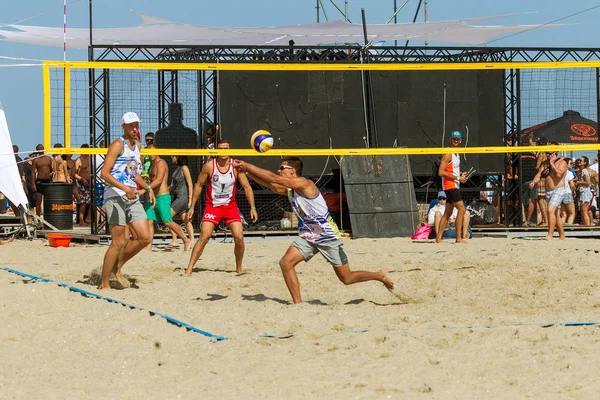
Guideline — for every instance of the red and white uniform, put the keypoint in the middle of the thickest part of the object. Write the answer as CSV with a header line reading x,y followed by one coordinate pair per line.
x,y
220,196
453,168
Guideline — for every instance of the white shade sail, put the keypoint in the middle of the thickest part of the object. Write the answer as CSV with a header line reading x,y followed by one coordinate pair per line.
x,y
154,31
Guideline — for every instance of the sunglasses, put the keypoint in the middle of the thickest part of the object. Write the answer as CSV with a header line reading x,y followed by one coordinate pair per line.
x,y
282,167
150,140
441,198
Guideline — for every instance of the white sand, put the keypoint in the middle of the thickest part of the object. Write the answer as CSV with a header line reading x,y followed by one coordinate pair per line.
x,y
475,333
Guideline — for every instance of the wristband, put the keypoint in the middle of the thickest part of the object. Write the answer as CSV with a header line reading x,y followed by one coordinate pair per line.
x,y
148,188
253,208
191,207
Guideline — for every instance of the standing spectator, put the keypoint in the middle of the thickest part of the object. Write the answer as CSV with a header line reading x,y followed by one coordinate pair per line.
x,y
41,175
29,182
542,219
583,185
528,171
21,169
553,171
568,206
60,172
451,179
83,167
181,189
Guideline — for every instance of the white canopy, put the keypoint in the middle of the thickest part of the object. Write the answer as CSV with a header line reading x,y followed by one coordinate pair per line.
x,y
10,181
154,31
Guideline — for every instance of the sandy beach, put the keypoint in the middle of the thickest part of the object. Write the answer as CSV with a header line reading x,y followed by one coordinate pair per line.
x,y
479,323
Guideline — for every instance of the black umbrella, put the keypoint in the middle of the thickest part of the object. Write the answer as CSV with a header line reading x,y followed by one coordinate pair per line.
x,y
570,128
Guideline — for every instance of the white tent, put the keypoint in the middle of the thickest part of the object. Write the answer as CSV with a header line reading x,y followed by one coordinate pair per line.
x,y
10,181
155,31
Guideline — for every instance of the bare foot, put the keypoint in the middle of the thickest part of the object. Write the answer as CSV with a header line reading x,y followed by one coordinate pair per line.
x,y
104,287
386,280
238,270
463,241
438,240
547,238
187,245
173,244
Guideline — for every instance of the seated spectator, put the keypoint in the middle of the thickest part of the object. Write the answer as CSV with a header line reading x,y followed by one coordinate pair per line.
x,y
436,211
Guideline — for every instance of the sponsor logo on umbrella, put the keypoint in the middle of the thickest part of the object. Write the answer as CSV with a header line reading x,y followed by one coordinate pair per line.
x,y
583,130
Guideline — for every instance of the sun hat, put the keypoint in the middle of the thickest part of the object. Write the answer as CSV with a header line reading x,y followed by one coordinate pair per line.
x,y
441,193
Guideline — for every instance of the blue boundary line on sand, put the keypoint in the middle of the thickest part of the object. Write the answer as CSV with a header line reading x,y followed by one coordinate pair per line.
x,y
97,296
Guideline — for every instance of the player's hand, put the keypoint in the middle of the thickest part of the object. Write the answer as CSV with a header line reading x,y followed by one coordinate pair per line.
x,y
462,179
130,193
241,166
152,198
253,215
190,214
531,184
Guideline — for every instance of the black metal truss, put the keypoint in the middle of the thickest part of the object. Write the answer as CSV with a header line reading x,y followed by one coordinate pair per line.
x,y
99,102
168,86
336,54
208,82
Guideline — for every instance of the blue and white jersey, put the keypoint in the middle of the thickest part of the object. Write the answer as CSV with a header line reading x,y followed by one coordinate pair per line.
x,y
127,166
314,222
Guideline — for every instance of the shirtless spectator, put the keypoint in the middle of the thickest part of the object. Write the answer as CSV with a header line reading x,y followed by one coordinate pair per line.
x,y
41,175
83,169
552,171
541,188
161,210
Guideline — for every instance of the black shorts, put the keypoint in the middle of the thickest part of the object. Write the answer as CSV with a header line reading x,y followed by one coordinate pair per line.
x,y
453,196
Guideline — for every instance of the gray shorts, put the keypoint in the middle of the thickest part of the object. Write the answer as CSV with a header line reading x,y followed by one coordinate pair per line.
x,y
122,211
554,197
333,250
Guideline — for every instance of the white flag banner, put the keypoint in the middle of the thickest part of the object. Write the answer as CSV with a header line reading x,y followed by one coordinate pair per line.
x,y
10,181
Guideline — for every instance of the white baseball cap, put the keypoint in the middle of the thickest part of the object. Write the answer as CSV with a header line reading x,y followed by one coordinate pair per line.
x,y
130,117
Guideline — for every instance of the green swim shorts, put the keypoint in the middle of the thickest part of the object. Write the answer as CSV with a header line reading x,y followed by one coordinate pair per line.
x,y
162,209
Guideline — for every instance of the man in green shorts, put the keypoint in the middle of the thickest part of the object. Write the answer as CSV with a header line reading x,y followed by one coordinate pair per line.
x,y
161,212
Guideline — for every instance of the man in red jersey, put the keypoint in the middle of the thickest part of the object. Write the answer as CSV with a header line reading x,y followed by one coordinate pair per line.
x,y
221,205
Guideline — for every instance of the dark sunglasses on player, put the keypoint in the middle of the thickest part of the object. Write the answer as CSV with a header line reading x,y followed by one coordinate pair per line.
x,y
282,167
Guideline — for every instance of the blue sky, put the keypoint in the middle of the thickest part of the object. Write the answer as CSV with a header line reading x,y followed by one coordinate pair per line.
x,y
21,87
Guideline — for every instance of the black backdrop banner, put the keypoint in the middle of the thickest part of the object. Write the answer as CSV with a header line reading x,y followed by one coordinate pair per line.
x,y
307,109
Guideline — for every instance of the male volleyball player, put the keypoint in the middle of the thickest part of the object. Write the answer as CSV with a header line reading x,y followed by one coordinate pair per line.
x,y
221,205
451,176
318,233
124,212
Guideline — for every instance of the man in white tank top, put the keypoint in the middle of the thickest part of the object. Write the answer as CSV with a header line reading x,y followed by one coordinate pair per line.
x,y
318,232
221,205
124,212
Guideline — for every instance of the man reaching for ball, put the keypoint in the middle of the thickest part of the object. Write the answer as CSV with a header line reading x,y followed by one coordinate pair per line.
x,y
318,233
221,205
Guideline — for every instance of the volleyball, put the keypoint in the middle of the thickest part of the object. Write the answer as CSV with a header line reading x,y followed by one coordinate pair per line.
x,y
261,141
